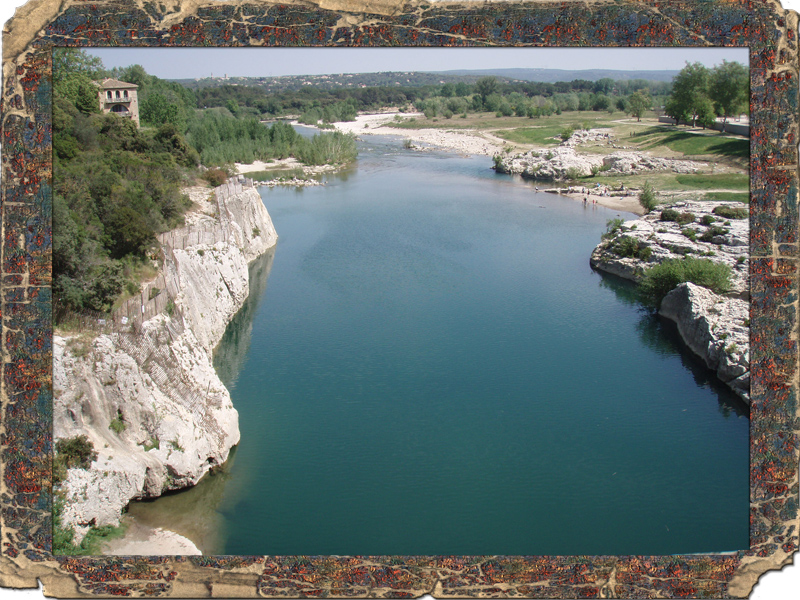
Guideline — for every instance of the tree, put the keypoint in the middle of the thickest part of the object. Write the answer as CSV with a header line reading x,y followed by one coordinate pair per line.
x,y
689,93
730,89
647,197
485,87
638,103
69,61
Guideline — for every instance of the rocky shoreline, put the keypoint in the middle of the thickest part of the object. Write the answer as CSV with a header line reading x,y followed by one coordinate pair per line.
x,y
715,327
147,397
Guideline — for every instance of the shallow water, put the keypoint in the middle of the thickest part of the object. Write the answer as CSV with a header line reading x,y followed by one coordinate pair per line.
x,y
435,369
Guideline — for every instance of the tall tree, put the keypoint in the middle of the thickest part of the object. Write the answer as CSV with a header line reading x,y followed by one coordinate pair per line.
x,y
730,89
70,61
689,93
638,103
485,87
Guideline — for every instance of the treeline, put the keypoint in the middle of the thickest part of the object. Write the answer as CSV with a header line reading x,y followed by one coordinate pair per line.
x,y
310,102
700,95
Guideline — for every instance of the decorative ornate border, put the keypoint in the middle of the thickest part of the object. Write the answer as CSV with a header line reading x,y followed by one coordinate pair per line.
x,y
25,258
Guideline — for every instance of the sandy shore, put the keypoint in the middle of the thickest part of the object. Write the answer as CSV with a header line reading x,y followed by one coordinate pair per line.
x,y
623,203
140,540
468,141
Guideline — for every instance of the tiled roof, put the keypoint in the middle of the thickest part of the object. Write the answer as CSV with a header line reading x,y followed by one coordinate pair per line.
x,y
109,83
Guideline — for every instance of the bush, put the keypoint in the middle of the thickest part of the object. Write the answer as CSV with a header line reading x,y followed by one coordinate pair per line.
x,y
659,280
707,220
712,231
117,424
72,453
729,212
690,233
681,218
574,173
647,197
215,177
612,227
566,133
629,247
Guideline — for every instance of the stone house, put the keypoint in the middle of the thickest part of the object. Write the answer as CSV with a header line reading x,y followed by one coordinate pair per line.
x,y
119,98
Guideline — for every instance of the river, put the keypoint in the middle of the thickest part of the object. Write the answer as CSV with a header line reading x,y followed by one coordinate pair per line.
x,y
428,365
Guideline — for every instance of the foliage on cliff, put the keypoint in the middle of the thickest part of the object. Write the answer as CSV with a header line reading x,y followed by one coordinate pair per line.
x,y
659,280
114,188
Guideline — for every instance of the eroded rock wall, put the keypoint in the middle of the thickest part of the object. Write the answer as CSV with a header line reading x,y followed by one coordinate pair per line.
x,y
150,400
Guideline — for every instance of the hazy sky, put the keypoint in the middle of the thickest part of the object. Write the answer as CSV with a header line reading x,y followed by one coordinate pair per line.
x,y
189,63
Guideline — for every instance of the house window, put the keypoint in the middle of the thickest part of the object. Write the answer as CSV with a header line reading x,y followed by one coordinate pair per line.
x,y
125,93
108,95
117,94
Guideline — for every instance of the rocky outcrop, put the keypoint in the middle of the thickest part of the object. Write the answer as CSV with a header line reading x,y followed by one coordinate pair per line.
x,y
557,164
716,329
698,232
631,163
149,398
564,162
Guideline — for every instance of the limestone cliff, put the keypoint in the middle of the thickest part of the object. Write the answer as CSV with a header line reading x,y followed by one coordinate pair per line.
x,y
144,391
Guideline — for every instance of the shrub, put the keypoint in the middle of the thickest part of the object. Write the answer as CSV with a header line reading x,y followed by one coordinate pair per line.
x,y
566,133
690,233
595,170
72,453
612,227
647,197
707,220
681,218
659,280
117,424
215,177
729,212
256,232
154,291
574,173
171,308
629,247
712,231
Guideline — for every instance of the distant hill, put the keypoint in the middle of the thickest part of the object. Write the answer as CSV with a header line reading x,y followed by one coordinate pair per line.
x,y
399,79
554,75
328,82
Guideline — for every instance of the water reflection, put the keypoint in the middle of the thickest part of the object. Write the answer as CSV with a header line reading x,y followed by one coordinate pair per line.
x,y
661,335
231,353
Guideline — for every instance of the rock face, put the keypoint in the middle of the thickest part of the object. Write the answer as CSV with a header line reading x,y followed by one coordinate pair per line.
x,y
715,327
549,165
150,400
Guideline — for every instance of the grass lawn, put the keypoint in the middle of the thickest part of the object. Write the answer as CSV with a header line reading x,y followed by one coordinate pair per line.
x,y
692,144
725,181
728,196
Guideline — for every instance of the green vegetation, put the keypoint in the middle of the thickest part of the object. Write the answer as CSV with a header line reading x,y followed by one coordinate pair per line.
x,y
693,144
117,424
279,174
659,280
727,212
612,227
72,453
627,246
647,197
726,180
700,94
682,218
713,231
91,544
728,197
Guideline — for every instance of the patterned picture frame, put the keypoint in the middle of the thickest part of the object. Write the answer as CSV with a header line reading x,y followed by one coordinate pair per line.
x,y
763,26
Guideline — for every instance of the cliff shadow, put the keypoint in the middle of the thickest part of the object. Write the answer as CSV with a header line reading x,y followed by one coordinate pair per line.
x,y
232,350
